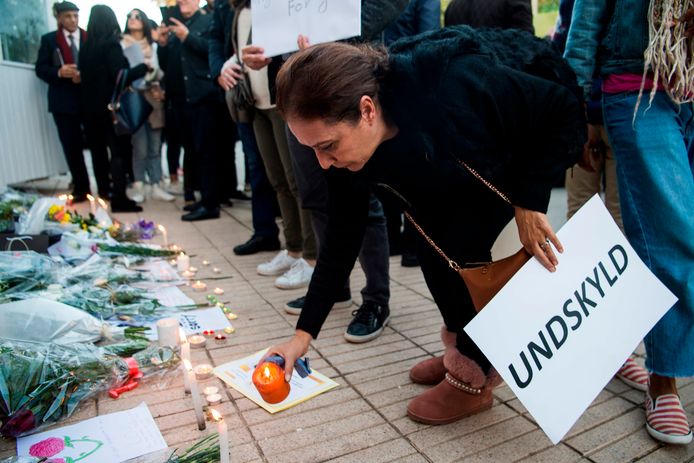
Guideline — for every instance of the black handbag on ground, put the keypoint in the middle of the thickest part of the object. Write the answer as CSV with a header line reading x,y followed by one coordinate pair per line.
x,y
240,98
129,108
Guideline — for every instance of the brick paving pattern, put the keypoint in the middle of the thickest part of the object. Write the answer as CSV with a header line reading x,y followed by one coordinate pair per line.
x,y
364,420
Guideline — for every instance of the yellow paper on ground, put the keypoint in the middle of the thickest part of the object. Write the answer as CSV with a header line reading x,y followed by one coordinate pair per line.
x,y
238,374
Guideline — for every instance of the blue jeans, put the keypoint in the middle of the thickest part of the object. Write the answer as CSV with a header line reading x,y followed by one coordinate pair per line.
x,y
263,198
147,154
655,161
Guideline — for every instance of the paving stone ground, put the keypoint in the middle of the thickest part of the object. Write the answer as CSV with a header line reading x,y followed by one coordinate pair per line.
x,y
364,420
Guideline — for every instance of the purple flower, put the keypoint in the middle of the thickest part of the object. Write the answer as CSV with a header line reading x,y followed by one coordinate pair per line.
x,y
146,229
47,448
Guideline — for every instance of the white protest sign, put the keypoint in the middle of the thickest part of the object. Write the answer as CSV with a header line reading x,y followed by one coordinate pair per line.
x,y
278,23
558,338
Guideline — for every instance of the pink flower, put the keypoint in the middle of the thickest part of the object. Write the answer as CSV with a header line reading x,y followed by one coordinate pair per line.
x,y
47,448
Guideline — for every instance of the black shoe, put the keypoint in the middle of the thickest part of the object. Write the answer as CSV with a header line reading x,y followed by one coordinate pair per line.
x,y
192,206
201,213
409,259
226,203
257,244
240,195
124,205
297,305
368,322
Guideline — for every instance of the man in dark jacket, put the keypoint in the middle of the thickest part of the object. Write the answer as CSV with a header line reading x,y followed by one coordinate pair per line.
x,y
57,66
192,92
505,14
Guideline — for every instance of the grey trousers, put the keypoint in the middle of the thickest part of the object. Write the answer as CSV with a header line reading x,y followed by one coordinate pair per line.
x,y
373,255
271,136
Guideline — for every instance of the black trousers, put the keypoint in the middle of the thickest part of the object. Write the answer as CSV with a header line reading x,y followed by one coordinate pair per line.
x,y
102,139
466,234
70,133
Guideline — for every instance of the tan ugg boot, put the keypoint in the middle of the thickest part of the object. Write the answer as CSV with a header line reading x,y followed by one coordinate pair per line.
x,y
464,391
432,371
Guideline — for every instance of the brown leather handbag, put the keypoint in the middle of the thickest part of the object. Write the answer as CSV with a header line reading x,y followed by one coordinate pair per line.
x,y
487,279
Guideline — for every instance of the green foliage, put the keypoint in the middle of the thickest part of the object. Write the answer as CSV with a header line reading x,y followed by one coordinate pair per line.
x,y
206,450
547,6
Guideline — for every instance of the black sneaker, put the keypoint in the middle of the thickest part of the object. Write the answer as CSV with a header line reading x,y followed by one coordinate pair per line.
x,y
368,322
297,305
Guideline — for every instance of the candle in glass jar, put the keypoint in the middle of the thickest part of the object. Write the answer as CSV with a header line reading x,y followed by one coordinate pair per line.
x,y
199,286
183,262
223,432
268,379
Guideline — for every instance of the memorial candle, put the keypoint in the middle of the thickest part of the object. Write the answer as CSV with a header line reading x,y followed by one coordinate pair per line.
x,y
183,262
268,379
92,204
223,436
199,286
162,229
195,395
185,355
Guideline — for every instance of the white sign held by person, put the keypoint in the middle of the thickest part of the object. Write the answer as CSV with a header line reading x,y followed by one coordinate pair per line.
x,y
278,23
558,338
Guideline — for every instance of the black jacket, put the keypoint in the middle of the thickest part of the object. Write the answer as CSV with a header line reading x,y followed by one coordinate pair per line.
x,y
100,64
63,95
477,98
505,14
220,48
192,54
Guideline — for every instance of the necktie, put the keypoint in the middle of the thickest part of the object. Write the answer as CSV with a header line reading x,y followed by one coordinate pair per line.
x,y
73,49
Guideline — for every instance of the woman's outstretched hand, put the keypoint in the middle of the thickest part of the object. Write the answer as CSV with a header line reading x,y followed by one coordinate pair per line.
x,y
290,351
536,234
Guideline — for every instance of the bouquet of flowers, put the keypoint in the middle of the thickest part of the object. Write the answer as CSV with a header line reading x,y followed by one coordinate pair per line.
x,y
206,450
106,302
41,383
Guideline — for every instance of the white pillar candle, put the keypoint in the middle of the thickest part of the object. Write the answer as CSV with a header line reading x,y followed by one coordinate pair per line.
x,y
195,395
92,204
162,229
185,355
183,262
223,436
168,332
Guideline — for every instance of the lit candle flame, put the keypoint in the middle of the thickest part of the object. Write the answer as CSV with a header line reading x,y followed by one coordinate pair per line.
x,y
216,415
182,254
102,203
62,197
90,197
187,365
266,372
161,228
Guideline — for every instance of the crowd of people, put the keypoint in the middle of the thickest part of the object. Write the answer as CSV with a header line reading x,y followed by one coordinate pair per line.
x,y
478,119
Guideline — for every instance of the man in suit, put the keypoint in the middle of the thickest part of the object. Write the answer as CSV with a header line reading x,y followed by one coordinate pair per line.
x,y
57,65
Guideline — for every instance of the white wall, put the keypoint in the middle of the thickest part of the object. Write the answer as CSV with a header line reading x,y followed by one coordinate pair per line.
x,y
29,145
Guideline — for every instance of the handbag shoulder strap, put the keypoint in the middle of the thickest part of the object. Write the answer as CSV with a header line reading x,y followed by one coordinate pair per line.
x,y
234,31
118,88
451,263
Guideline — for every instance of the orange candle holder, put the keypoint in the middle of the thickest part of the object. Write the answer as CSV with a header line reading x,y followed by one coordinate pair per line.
x,y
268,379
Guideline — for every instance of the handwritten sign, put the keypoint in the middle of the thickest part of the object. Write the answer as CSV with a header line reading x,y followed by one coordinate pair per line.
x,y
111,438
278,23
565,334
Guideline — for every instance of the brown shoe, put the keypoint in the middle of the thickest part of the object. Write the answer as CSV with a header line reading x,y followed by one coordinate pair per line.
x,y
429,371
456,397
432,371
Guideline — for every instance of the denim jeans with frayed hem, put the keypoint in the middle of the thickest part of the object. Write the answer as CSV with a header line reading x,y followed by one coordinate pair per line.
x,y
655,162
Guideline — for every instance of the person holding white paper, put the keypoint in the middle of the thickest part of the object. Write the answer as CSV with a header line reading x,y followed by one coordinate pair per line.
x,y
411,117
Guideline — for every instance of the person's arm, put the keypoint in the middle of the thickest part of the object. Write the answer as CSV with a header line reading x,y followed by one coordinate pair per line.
x,y
194,41
348,213
45,69
116,61
520,15
377,14
215,40
428,16
588,23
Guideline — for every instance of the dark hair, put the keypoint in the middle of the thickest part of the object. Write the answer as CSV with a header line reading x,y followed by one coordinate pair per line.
x,y
327,81
146,26
103,25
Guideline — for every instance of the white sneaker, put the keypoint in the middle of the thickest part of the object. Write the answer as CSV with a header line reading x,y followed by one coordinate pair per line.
x,y
158,192
137,192
298,276
278,265
175,188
